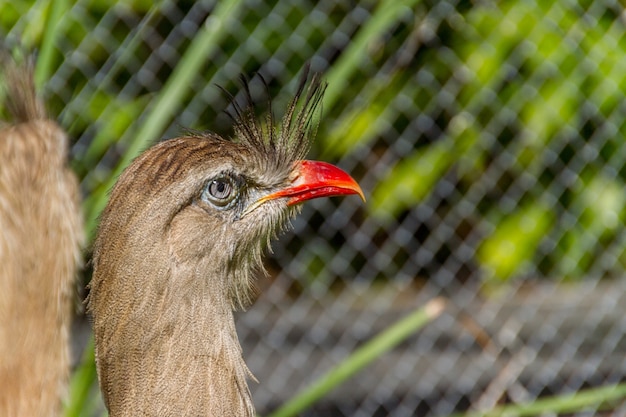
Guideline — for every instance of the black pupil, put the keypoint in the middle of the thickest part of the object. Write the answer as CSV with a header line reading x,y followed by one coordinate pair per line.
x,y
219,189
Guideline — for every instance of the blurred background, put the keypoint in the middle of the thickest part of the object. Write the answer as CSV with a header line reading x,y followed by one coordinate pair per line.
x,y
488,138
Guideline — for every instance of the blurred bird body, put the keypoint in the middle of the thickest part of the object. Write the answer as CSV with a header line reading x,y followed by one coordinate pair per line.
x,y
178,245
40,239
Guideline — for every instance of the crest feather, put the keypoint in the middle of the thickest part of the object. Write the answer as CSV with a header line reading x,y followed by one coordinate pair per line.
x,y
279,147
17,78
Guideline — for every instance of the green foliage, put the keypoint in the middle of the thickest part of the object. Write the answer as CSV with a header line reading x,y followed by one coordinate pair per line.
x,y
512,244
11,11
600,202
413,178
550,67
120,114
81,402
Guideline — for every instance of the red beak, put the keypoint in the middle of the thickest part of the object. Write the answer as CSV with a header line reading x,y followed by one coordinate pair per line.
x,y
314,179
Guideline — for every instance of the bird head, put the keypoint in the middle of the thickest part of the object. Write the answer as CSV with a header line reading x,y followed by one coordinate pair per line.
x,y
214,203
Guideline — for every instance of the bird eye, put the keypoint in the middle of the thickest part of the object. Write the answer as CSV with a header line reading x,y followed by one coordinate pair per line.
x,y
220,192
220,189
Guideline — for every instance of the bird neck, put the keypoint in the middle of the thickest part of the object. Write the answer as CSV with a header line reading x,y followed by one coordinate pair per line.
x,y
174,352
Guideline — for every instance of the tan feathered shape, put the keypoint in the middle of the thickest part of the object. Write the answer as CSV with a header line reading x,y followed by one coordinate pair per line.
x,y
40,238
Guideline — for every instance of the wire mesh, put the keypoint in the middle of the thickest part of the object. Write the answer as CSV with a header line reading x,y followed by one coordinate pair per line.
x,y
488,138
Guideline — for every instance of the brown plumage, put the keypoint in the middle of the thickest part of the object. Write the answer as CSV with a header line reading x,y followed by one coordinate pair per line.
x,y
178,244
40,238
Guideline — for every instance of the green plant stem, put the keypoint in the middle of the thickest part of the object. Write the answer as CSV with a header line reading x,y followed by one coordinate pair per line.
x,y
81,383
386,13
126,51
44,61
109,133
360,358
169,98
569,403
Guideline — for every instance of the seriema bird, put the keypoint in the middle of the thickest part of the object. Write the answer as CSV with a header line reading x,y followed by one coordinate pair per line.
x,y
177,248
40,239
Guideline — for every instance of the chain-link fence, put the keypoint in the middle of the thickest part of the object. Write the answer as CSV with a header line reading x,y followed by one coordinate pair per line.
x,y
488,138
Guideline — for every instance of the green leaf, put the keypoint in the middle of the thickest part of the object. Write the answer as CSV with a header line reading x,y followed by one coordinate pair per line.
x,y
584,400
514,241
359,126
599,203
361,357
555,107
83,380
387,13
51,32
411,180
117,119
603,201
